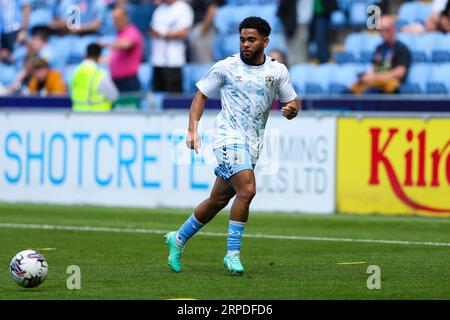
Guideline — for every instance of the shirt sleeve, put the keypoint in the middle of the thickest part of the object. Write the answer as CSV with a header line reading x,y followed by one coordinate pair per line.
x,y
108,88
286,91
212,81
403,57
185,17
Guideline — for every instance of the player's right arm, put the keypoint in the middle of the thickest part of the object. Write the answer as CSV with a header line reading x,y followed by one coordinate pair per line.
x,y
193,140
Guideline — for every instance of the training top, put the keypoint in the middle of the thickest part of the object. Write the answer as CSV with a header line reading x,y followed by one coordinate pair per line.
x,y
247,93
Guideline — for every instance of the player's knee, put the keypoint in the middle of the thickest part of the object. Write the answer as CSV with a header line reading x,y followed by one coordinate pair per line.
x,y
247,193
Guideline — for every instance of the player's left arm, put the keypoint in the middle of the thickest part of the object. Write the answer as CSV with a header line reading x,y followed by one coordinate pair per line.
x,y
290,109
290,104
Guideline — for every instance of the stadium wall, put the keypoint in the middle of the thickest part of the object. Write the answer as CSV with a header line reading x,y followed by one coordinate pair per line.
x,y
135,159
363,163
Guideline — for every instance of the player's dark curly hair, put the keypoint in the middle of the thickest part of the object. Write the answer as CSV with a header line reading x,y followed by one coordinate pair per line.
x,y
257,23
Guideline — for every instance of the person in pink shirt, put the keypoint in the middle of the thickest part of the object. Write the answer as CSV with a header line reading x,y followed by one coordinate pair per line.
x,y
126,53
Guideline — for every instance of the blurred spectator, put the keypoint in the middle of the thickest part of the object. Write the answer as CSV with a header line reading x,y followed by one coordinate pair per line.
x,y
38,44
126,53
201,38
170,26
277,55
45,81
390,63
20,84
14,19
320,28
140,13
443,21
92,90
90,13
438,20
296,17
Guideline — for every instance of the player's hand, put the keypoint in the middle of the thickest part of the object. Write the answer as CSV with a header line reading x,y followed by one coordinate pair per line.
x,y
193,141
289,112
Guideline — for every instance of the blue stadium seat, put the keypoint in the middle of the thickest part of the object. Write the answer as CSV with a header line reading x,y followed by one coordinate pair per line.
x,y
145,75
78,48
228,45
358,13
228,17
439,82
418,76
353,44
7,74
317,81
299,74
192,72
358,47
40,17
338,19
371,41
423,47
269,13
343,76
413,11
61,47
441,51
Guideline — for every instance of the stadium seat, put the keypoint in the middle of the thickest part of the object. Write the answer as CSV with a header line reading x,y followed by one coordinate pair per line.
x,y
358,13
192,72
228,45
370,43
358,47
40,17
78,48
439,82
228,17
317,81
413,11
269,13
299,73
418,76
61,47
343,76
7,74
423,47
338,19
145,75
353,45
441,51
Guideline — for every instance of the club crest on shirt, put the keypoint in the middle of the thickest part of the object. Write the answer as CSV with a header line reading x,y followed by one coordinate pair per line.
x,y
269,81
238,78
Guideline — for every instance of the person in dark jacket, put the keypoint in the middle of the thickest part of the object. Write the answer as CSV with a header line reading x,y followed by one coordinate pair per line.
x,y
296,17
320,28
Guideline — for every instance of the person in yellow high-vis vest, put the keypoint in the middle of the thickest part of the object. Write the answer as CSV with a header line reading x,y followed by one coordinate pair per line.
x,y
92,89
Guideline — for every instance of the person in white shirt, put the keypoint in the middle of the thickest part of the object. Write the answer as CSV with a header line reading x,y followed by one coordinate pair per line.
x,y
248,84
169,28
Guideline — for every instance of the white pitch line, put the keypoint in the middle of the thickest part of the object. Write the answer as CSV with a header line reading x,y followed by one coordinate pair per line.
x,y
214,234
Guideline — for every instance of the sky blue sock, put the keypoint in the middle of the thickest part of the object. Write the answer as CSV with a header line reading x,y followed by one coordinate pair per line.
x,y
189,228
235,232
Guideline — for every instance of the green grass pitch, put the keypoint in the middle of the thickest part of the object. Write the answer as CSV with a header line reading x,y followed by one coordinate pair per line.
x,y
122,263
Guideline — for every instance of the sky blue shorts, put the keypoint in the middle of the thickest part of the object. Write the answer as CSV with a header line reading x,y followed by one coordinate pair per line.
x,y
232,159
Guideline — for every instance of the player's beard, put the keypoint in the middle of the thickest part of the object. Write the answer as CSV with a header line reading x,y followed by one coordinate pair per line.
x,y
253,57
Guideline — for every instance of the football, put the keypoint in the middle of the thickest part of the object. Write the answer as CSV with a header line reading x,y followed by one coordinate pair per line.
x,y
28,268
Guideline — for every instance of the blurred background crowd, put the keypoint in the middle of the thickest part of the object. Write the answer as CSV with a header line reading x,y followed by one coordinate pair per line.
x,y
329,46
